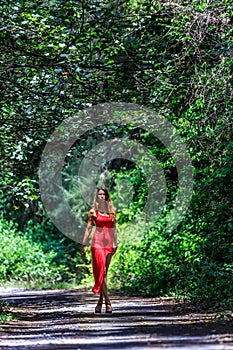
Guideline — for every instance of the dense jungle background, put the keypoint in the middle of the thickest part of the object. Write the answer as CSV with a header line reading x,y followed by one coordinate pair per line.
x,y
175,58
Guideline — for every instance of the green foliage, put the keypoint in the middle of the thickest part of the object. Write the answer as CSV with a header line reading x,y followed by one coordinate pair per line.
x,y
179,265
5,315
58,57
22,260
66,253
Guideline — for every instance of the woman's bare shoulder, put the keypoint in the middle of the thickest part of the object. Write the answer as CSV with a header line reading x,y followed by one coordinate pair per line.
x,y
92,212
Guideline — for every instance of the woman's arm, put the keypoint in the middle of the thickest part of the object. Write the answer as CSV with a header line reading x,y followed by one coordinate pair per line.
x,y
115,244
90,224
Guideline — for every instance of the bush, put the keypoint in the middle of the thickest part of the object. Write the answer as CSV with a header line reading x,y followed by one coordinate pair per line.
x,y
25,261
179,265
66,251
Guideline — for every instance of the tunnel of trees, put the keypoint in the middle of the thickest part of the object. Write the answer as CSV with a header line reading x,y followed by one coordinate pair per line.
x,y
174,58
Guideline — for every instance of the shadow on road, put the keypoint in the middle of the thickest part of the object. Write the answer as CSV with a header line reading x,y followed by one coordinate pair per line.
x,y
65,319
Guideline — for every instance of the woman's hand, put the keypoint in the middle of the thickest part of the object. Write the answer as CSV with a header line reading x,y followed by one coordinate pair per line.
x,y
115,245
83,254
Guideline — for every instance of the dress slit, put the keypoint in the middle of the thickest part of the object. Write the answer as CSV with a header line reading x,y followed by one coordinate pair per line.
x,y
101,246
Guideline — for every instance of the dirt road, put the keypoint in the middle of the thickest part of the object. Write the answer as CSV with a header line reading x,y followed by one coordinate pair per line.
x,y
65,319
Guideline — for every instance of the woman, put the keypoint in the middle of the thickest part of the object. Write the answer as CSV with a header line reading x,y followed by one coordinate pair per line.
x,y
103,244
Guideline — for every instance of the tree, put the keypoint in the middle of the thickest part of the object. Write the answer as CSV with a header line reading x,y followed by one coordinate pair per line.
x,y
59,57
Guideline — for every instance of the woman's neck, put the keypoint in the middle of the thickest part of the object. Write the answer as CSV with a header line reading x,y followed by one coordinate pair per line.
x,y
102,209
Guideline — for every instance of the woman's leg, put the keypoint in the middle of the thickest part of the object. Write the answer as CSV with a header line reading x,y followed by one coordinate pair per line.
x,y
104,286
100,301
104,290
99,304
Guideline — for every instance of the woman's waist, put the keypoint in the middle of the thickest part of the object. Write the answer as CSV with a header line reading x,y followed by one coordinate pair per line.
x,y
104,228
103,235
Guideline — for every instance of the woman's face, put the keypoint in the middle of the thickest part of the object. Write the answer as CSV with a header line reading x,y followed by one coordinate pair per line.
x,y
101,195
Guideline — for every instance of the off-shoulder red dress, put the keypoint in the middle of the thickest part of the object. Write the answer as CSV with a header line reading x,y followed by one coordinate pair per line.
x,y
101,246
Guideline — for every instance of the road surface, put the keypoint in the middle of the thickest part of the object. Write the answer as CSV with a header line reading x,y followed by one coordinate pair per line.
x,y
65,319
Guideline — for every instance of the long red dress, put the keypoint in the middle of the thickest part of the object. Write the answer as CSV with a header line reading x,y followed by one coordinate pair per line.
x,y
101,246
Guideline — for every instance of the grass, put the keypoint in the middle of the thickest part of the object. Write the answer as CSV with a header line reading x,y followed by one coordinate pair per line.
x,y
5,314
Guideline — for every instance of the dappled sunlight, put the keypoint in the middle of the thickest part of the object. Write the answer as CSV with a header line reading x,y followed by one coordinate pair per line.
x,y
66,318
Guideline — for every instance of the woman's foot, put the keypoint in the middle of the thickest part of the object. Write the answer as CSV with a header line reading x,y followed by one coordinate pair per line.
x,y
108,308
98,308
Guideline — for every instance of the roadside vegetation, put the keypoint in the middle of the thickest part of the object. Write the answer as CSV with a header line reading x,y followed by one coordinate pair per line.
x,y
175,58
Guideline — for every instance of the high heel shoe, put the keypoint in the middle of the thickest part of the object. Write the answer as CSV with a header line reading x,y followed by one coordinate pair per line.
x,y
108,308
98,308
